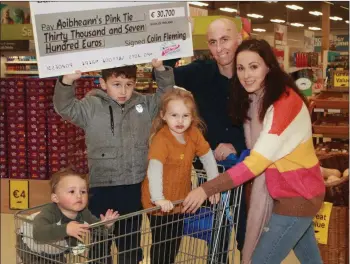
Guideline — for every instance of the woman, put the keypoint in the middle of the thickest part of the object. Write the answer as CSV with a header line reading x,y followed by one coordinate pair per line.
x,y
280,137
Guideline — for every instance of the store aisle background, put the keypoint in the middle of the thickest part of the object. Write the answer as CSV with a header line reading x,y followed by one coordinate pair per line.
x,y
8,254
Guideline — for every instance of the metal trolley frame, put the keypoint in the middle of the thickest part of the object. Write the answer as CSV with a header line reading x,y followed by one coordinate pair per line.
x,y
204,237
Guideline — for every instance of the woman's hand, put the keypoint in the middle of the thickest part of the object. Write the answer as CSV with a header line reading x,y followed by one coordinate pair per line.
x,y
191,21
214,199
194,200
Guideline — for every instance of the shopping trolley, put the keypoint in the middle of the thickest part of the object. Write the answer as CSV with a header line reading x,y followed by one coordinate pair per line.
x,y
95,248
195,237
213,224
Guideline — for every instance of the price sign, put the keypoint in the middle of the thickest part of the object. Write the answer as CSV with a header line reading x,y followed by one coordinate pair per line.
x,y
321,223
340,79
19,194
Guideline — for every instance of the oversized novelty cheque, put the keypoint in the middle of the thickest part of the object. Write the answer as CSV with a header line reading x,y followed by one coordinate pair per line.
x,y
90,36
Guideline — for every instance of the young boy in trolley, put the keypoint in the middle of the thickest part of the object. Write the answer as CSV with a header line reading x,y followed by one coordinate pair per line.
x,y
60,225
117,123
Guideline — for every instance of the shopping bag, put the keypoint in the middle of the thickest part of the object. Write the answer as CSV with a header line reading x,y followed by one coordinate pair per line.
x,y
200,224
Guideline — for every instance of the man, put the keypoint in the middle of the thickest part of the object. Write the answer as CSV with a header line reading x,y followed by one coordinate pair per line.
x,y
210,83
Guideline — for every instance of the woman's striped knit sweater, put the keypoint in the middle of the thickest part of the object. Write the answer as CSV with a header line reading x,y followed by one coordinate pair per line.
x,y
285,151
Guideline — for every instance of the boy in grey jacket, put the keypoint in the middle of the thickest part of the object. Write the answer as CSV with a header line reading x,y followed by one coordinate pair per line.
x,y
117,122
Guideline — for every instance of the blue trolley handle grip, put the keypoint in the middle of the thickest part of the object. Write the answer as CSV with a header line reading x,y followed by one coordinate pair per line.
x,y
224,196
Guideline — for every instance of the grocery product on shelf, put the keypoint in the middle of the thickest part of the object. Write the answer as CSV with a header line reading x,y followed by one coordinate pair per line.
x,y
21,66
346,173
21,58
332,124
16,127
38,140
3,132
305,59
37,101
332,148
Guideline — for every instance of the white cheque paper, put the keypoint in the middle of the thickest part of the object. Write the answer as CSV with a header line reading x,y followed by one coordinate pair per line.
x,y
91,36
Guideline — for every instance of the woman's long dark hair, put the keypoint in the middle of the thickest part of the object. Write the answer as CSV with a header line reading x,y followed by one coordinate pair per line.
x,y
276,82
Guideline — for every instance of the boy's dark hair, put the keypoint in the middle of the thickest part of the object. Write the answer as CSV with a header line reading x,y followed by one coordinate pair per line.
x,y
128,72
56,177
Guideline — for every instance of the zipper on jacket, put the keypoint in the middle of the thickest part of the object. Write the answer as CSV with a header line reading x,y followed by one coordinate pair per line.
x,y
111,119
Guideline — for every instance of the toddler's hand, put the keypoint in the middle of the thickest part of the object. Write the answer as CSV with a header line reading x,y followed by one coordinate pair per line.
x,y
214,199
110,215
158,65
77,230
165,205
70,78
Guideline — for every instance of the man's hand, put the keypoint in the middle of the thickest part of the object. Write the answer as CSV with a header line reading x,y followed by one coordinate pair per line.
x,y
223,151
110,215
70,78
194,200
191,20
165,205
214,199
158,65
77,230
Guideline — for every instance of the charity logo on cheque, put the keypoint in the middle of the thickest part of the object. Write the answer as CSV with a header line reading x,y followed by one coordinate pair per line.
x,y
170,48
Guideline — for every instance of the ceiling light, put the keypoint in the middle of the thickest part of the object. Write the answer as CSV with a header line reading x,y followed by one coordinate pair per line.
x,y
315,13
259,29
277,20
314,28
272,2
199,4
297,24
344,7
228,9
294,7
335,18
330,3
255,15
347,21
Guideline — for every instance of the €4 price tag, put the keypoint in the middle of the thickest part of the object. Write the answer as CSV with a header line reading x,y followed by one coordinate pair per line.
x,y
19,194
321,223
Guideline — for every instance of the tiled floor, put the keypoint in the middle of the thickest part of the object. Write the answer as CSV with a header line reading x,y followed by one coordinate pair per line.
x,y
8,255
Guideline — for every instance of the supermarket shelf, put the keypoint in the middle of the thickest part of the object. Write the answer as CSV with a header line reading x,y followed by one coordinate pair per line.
x,y
21,72
21,62
331,110
294,69
340,136
339,90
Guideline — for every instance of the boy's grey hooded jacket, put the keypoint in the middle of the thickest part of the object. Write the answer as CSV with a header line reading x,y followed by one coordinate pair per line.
x,y
116,137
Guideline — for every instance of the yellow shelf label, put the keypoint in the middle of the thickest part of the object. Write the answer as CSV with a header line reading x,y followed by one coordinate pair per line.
x,y
321,223
19,194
